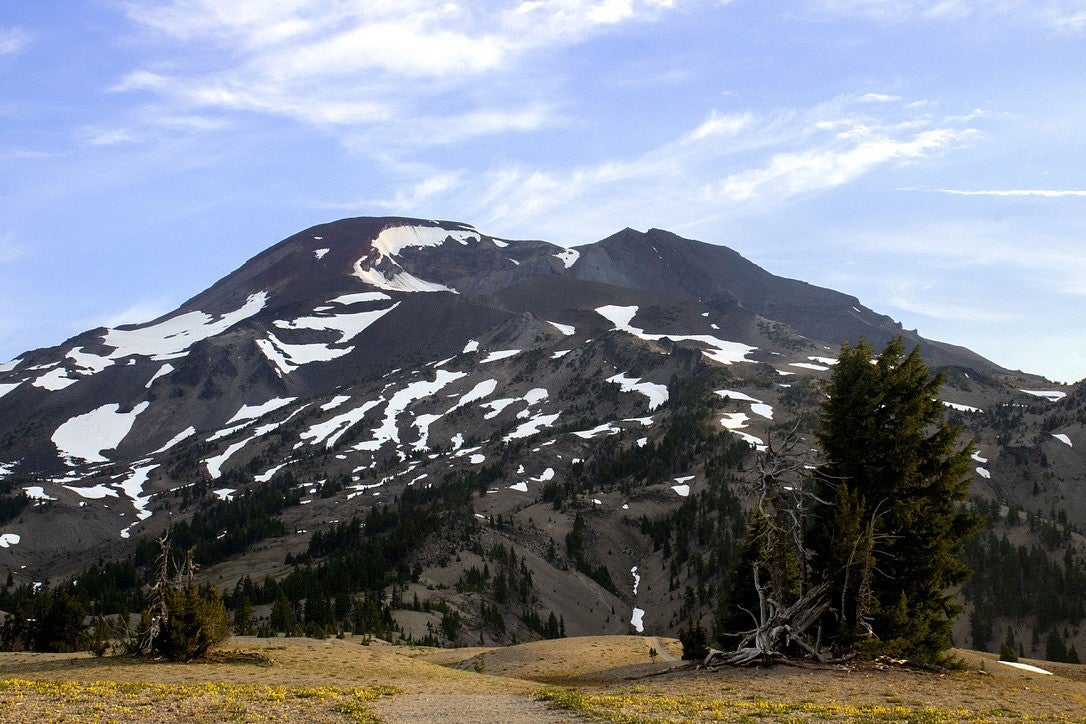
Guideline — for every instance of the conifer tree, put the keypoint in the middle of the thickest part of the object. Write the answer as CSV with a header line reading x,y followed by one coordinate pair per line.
x,y
889,546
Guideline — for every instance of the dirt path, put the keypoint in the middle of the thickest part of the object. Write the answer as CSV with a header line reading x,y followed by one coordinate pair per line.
x,y
467,709
661,649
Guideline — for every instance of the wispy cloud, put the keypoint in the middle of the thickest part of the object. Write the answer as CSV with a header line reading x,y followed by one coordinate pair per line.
x,y
730,164
1048,193
14,40
351,66
1063,15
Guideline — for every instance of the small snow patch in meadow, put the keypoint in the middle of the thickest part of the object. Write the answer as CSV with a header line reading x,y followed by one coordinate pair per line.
x,y
521,487
1063,438
1026,667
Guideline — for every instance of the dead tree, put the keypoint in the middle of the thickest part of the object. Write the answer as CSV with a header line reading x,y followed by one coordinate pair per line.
x,y
788,607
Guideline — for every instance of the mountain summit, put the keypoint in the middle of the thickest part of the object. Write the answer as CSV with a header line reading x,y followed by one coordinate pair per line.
x,y
362,359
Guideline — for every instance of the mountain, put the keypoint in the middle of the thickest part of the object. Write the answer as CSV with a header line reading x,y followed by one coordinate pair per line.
x,y
573,405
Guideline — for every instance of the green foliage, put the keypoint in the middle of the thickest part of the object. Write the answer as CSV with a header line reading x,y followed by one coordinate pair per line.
x,y
695,642
892,467
196,622
44,620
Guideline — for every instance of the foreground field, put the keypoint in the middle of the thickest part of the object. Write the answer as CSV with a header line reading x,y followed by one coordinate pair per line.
x,y
605,678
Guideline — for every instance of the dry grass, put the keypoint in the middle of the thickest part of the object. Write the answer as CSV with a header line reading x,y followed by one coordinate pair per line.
x,y
602,678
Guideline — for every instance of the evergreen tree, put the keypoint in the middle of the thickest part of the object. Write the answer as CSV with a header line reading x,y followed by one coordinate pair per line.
x,y
890,544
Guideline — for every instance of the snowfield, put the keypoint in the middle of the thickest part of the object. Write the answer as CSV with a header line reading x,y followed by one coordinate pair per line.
x,y
719,350
86,436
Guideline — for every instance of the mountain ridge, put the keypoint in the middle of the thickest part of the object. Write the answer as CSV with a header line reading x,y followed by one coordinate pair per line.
x,y
365,360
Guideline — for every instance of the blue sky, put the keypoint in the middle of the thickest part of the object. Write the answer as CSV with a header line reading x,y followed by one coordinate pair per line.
x,y
926,156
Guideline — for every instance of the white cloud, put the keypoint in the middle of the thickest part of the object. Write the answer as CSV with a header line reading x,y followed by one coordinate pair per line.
x,y
1063,15
14,40
1048,193
138,313
730,165
331,63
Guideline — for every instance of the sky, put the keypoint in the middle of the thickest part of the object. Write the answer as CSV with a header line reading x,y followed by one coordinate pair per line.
x,y
925,156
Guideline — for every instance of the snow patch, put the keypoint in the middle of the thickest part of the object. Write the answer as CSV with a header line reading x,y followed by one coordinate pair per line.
x,y
1063,438
94,493
719,350
500,354
319,253
471,346
8,387
606,428
331,430
162,371
567,329
1026,667
961,408
86,436
983,472
176,334
479,391
186,433
55,380
637,620
532,426
37,492
656,393
1050,395
8,540
568,256
809,366
253,412
521,487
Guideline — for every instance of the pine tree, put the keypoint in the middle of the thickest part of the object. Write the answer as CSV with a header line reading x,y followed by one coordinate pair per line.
x,y
890,543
